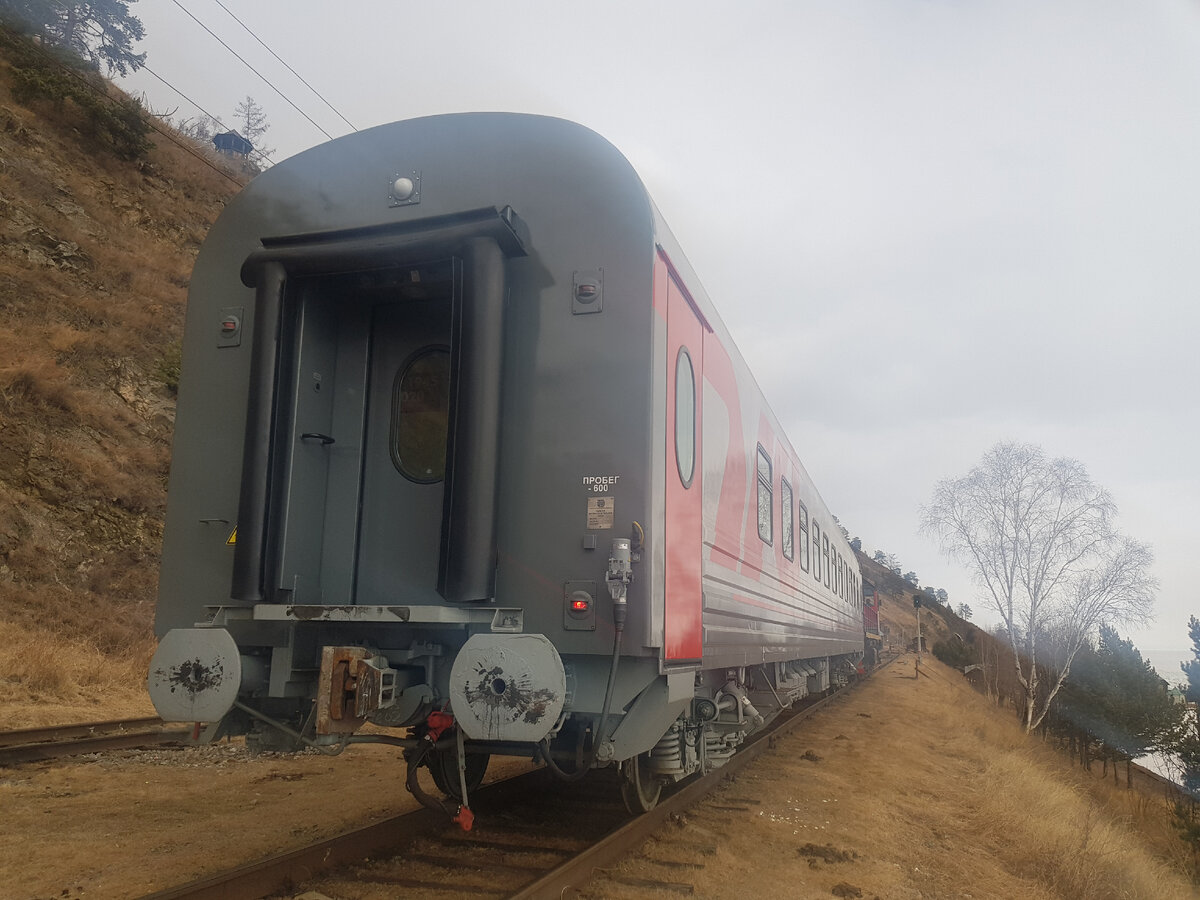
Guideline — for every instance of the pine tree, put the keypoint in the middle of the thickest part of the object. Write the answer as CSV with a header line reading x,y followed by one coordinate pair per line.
x,y
100,31
1191,668
1115,697
1135,704
1187,752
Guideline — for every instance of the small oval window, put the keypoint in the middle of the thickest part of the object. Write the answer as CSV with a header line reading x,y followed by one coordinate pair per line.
x,y
420,415
685,417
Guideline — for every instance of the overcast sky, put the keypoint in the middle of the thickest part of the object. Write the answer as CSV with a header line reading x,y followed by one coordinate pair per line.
x,y
930,225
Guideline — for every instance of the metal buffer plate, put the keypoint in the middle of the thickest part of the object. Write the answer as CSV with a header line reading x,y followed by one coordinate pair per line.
x,y
195,675
507,687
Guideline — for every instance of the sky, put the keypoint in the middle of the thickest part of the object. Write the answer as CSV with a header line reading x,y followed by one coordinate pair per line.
x,y
930,225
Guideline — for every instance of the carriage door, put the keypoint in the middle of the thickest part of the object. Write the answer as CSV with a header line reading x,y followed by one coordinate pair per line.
x,y
404,451
378,483
362,505
684,500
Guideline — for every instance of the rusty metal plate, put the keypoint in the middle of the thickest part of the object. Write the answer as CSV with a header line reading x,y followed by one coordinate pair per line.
x,y
335,690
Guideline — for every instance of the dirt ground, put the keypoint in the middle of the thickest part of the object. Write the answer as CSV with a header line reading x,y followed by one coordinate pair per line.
x,y
885,794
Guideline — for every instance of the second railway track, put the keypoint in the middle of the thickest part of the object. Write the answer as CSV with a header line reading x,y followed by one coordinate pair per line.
x,y
54,742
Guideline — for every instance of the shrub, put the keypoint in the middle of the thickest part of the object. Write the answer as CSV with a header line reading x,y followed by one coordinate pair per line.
x,y
167,370
120,124
955,653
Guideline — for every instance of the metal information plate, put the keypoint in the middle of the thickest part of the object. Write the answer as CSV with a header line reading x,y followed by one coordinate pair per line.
x,y
600,512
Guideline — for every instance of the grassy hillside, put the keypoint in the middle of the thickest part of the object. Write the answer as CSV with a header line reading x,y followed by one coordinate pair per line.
x,y
95,255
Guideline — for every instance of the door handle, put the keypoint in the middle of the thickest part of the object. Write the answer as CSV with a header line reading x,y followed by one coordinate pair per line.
x,y
315,436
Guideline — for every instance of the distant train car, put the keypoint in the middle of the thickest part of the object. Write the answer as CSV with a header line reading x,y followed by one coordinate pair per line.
x,y
463,448
872,635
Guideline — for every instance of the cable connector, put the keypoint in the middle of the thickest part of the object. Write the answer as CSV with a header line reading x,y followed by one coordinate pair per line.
x,y
618,577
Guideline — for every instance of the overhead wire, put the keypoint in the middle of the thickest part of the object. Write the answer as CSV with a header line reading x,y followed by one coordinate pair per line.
x,y
261,154
170,134
174,139
264,78
150,119
284,64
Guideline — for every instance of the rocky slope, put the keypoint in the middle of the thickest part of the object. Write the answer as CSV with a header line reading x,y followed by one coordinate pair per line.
x,y
95,255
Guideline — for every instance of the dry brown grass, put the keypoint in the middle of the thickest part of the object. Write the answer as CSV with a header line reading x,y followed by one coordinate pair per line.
x,y
1044,822
1074,821
914,788
1068,843
50,676
33,379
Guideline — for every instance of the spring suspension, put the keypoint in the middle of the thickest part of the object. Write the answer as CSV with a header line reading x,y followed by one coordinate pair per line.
x,y
719,747
667,756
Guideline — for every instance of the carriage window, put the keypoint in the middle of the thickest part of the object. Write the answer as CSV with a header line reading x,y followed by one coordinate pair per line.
x,y
785,512
685,417
826,545
816,551
803,537
764,495
420,415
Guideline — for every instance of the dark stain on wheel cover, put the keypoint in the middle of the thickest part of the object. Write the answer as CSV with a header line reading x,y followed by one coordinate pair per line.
x,y
193,676
511,697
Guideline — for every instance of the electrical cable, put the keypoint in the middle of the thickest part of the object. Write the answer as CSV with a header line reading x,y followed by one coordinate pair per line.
x,y
284,64
254,70
599,734
150,119
261,154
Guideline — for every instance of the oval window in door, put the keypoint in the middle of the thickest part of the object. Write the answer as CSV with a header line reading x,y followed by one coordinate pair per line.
x,y
420,415
685,417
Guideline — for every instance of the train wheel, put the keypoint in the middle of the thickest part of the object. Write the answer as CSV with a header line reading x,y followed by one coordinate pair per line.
x,y
443,766
639,788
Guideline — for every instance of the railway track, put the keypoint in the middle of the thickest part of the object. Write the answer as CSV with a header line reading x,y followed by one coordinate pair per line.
x,y
534,837
34,744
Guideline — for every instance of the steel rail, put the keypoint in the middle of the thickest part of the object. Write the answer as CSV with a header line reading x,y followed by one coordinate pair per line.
x,y
581,868
60,749
71,732
284,871
55,742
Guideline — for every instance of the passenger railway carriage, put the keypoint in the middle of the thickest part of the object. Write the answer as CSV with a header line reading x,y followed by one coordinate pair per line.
x,y
463,449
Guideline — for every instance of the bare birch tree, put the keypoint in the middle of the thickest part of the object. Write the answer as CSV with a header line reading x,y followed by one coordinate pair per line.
x,y
1038,535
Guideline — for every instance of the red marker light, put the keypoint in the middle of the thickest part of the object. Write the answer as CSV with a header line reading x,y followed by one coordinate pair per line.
x,y
579,605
